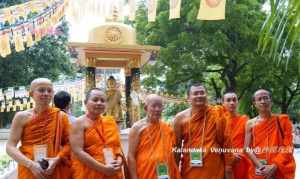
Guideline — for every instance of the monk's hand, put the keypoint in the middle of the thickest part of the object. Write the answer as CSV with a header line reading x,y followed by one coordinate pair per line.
x,y
236,157
270,170
52,164
111,169
37,170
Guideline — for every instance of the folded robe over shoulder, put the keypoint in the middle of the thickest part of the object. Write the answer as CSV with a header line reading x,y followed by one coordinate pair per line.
x,y
104,128
51,127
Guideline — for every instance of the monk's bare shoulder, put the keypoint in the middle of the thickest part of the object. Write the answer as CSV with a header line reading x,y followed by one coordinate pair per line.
x,y
79,124
181,117
22,117
139,126
250,123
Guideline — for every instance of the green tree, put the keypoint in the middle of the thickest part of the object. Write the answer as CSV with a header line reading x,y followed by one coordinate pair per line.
x,y
221,54
281,30
48,58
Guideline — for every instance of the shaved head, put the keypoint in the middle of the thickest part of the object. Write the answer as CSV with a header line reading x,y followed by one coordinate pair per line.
x,y
260,91
153,107
152,97
38,81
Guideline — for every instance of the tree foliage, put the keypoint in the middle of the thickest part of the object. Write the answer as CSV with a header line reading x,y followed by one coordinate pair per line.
x,y
48,58
221,54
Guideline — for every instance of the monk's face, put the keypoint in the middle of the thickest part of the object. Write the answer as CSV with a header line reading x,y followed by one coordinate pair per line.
x,y
230,101
153,108
96,102
197,96
262,101
42,93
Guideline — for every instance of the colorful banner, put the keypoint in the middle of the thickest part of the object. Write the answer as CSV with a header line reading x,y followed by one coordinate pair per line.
x,y
212,10
152,5
174,9
132,9
19,23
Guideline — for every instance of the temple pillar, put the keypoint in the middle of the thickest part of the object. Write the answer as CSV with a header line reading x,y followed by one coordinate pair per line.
x,y
127,95
135,102
90,74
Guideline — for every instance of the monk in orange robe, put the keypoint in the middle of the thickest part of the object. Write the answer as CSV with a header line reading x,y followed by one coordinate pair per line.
x,y
203,129
268,141
150,144
95,142
43,132
237,123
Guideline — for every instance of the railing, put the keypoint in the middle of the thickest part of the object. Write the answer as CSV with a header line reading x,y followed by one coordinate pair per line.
x,y
8,170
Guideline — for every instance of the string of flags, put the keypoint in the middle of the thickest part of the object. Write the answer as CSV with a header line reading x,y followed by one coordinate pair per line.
x,y
27,23
209,9
18,99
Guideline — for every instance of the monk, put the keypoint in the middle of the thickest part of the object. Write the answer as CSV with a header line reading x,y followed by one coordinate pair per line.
x,y
43,132
202,129
237,123
150,145
268,141
95,141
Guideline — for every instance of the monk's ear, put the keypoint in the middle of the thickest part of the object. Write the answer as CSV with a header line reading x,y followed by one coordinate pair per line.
x,y
30,93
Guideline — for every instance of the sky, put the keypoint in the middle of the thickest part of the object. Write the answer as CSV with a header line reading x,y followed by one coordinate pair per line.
x,y
83,15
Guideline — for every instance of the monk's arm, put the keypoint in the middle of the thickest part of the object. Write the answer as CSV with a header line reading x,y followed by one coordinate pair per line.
x,y
77,142
248,140
65,152
133,140
178,134
14,137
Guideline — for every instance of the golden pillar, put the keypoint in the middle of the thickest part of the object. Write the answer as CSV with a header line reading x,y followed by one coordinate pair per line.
x,y
90,75
135,90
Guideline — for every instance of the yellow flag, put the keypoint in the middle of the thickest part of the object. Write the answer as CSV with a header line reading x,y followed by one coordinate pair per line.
x,y
4,45
174,9
132,9
29,41
21,10
212,10
7,15
18,39
152,5
38,35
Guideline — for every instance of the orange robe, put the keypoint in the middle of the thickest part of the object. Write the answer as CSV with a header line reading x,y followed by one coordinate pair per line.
x,y
155,145
215,136
267,135
51,127
104,132
237,137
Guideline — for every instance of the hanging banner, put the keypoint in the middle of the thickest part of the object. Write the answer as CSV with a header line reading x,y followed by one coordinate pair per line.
x,y
152,5
21,92
1,95
212,10
17,25
9,93
132,9
174,9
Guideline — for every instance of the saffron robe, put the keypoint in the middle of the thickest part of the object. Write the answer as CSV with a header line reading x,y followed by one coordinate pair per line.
x,y
156,146
274,134
215,135
103,133
237,138
51,127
